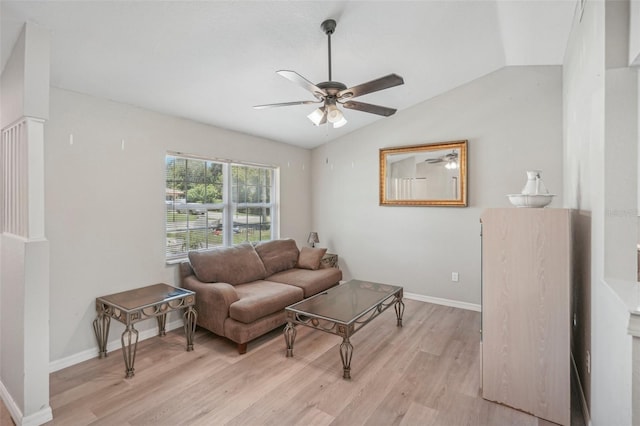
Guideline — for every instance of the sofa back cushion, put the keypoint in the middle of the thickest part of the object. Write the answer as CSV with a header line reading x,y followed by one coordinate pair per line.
x,y
278,255
234,265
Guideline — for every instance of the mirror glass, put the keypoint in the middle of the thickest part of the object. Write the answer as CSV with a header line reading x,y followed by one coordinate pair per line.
x,y
424,175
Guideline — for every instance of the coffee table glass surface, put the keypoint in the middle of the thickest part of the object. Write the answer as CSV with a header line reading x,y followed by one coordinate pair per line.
x,y
144,297
343,310
347,302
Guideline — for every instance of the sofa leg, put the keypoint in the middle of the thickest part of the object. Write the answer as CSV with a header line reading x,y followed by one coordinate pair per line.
x,y
242,348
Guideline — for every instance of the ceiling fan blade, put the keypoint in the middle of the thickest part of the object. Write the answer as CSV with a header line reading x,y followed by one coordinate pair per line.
x,y
381,83
285,104
303,82
373,109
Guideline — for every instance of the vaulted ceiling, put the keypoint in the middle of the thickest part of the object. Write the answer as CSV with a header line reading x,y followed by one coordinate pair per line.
x,y
211,61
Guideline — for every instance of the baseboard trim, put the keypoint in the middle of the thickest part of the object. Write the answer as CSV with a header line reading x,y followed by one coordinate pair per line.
x,y
39,418
445,302
583,401
74,359
35,419
11,405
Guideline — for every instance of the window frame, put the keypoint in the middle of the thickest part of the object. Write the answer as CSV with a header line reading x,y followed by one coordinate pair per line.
x,y
227,206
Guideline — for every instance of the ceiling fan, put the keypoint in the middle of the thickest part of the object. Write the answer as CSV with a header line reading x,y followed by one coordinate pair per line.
x,y
451,160
331,93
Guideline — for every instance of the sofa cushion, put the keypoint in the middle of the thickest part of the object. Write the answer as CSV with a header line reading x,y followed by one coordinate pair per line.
x,y
261,298
310,258
311,282
240,332
234,265
278,255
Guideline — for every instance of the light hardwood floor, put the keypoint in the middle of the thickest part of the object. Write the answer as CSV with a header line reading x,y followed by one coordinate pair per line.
x,y
5,417
426,373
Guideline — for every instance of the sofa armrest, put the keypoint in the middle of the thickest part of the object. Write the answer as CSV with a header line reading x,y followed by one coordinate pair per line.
x,y
185,270
212,302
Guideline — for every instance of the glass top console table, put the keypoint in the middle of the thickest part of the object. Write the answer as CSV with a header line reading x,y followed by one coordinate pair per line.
x,y
343,310
132,306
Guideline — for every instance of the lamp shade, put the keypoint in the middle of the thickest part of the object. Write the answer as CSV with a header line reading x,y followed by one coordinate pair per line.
x,y
313,239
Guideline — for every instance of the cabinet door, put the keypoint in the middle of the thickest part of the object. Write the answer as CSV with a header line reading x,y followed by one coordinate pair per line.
x,y
525,310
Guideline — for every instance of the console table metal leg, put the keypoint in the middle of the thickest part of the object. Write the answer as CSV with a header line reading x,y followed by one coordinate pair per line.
x,y
190,320
162,322
101,329
290,337
127,352
346,350
399,311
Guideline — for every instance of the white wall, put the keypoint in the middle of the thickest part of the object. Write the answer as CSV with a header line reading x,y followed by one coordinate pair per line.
x,y
600,138
621,146
12,318
12,84
634,34
621,183
105,205
583,99
25,86
512,119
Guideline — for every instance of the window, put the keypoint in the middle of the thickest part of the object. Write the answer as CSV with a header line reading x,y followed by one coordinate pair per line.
x,y
212,203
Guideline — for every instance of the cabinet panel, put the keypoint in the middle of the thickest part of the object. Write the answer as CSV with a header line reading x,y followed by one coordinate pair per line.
x,y
526,258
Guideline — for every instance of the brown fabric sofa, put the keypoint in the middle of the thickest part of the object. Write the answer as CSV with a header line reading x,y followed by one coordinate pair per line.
x,y
241,291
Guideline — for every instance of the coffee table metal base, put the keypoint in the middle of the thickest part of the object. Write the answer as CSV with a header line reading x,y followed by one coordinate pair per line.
x,y
339,328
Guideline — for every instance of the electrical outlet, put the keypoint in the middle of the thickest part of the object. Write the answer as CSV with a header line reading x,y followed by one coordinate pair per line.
x,y
454,277
588,363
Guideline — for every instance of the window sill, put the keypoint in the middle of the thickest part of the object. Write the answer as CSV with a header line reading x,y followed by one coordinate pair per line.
x,y
176,261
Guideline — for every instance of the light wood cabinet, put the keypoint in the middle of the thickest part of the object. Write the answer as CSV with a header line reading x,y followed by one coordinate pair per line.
x,y
526,296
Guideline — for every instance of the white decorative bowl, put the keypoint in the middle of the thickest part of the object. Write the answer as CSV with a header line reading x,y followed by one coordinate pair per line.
x,y
530,200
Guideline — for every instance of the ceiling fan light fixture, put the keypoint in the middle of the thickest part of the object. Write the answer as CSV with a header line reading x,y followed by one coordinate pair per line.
x,y
340,123
334,115
451,165
316,116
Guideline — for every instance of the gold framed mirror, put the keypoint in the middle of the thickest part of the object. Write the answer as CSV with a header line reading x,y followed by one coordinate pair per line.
x,y
432,174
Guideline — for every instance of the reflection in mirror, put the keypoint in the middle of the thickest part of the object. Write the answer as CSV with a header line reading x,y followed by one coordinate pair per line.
x,y
424,175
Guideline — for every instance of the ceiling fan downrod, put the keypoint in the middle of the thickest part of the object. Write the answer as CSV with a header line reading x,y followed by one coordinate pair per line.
x,y
329,26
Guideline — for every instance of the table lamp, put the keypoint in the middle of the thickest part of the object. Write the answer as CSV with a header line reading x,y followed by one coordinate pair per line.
x,y
313,239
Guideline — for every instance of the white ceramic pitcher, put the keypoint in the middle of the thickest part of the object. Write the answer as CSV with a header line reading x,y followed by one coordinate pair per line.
x,y
534,185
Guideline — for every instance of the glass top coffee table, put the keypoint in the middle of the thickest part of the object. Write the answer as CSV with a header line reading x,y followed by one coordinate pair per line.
x,y
343,310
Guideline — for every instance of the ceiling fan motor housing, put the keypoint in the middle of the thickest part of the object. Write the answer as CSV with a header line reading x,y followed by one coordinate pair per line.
x,y
332,87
